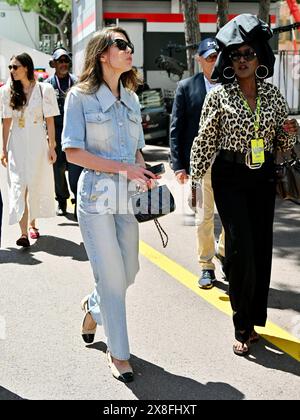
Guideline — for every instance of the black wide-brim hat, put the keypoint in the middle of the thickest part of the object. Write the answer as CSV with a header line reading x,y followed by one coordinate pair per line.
x,y
243,29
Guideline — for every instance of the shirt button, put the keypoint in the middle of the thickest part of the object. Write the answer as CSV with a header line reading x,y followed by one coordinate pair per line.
x,y
98,173
93,197
120,124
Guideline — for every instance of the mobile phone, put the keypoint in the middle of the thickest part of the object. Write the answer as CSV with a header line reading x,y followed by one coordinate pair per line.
x,y
157,169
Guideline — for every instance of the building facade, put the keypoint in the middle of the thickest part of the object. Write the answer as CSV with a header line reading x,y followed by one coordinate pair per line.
x,y
19,26
155,28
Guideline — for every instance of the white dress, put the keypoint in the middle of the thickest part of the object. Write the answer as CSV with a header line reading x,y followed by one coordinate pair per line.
x,y
28,163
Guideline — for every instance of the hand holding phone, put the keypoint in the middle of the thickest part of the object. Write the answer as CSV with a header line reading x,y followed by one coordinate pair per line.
x,y
157,169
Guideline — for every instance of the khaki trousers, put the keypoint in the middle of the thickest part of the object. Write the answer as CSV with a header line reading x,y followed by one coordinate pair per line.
x,y
205,227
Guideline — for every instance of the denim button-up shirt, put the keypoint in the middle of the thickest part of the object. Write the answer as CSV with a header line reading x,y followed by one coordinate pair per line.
x,y
103,125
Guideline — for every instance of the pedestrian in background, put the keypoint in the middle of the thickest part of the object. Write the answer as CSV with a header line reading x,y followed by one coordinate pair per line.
x,y
243,120
186,113
103,133
62,81
28,150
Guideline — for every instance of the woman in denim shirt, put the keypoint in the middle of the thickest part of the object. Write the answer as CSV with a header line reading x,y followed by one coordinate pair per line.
x,y
103,133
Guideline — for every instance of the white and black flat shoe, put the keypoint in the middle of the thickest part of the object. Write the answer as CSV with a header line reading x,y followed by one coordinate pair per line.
x,y
88,336
124,375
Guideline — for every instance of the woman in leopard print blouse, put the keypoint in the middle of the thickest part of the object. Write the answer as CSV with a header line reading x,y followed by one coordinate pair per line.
x,y
240,120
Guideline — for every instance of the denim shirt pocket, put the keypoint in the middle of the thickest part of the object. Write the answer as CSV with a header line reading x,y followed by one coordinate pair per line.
x,y
135,121
99,130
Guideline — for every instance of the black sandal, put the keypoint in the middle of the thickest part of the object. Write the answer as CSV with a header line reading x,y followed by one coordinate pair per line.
x,y
254,337
23,241
244,338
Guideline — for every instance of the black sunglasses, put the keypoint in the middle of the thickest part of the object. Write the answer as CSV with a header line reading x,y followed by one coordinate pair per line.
x,y
14,66
248,55
122,44
63,61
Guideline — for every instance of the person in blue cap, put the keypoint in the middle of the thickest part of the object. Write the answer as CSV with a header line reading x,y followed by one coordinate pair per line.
x,y
186,112
62,81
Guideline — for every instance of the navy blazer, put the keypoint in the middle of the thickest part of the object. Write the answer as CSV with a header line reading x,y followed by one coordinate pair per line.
x,y
186,112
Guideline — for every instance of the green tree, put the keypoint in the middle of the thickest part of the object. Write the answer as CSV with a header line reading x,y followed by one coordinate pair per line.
x,y
55,13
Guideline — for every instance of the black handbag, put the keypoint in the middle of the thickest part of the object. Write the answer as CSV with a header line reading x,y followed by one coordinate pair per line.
x,y
153,204
288,176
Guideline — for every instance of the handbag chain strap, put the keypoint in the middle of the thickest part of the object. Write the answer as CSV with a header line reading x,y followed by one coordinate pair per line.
x,y
161,233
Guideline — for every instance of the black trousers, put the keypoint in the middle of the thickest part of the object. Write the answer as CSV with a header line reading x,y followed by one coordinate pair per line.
x,y
60,167
245,199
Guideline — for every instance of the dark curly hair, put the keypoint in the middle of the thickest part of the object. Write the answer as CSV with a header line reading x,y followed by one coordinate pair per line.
x,y
17,95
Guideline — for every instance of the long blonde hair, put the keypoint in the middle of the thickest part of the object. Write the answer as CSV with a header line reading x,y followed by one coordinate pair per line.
x,y
92,74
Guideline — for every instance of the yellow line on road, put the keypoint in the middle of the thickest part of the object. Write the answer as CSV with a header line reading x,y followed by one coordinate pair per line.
x,y
272,333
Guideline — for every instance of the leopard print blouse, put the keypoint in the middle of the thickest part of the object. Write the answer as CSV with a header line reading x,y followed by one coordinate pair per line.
x,y
225,123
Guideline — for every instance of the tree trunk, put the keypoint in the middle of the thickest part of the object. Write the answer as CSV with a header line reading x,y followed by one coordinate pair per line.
x,y
191,30
264,10
59,26
222,13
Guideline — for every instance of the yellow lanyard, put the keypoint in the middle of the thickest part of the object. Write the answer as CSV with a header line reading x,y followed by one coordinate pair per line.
x,y
255,157
257,113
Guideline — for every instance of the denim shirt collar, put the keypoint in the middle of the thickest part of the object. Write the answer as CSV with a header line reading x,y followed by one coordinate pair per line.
x,y
107,99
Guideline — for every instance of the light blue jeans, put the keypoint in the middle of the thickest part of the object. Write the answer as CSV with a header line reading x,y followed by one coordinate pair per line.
x,y
111,242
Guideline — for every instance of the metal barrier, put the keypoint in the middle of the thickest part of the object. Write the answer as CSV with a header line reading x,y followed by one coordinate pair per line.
x,y
287,78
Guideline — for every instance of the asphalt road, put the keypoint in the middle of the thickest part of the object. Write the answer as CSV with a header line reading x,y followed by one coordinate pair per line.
x,y
181,340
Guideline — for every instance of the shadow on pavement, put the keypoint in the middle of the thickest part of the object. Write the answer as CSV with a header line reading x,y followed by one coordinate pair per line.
x,y
284,299
18,256
60,247
6,395
266,354
50,244
154,383
287,230
278,299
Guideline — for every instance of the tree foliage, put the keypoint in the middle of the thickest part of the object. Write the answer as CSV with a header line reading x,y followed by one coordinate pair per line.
x,y
40,6
54,13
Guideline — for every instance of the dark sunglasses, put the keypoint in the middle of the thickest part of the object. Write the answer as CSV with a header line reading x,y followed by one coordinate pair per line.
x,y
14,66
248,55
122,44
63,61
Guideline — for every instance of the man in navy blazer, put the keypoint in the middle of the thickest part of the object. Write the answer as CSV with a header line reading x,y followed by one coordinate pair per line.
x,y
187,106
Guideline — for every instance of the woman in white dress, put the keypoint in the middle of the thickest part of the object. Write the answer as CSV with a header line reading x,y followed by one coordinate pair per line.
x,y
28,152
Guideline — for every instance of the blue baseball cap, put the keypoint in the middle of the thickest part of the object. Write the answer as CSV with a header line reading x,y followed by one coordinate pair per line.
x,y
207,47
